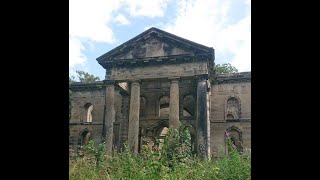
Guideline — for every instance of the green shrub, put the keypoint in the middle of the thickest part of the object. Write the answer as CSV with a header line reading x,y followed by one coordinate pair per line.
x,y
234,165
172,161
176,147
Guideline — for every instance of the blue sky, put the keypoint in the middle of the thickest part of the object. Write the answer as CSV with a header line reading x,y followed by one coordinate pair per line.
x,y
97,26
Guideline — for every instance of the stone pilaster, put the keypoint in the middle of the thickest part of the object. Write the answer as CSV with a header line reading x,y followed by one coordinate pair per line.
x,y
174,103
133,131
203,121
110,115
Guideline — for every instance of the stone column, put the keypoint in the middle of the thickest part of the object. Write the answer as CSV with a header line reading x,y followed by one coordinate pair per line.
x,y
110,115
174,103
133,131
203,121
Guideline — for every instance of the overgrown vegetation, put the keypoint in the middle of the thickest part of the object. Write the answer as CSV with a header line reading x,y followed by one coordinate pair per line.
x,y
172,160
84,77
225,68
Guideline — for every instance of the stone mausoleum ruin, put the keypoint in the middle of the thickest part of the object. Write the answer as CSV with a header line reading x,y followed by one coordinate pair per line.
x,y
158,80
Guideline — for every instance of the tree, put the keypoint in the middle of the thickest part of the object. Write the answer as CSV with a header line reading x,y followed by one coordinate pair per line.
x,y
86,77
71,80
225,68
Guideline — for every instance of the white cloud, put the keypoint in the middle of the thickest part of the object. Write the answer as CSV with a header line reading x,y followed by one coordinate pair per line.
x,y
75,54
121,19
238,42
89,19
202,21
154,8
207,22
89,22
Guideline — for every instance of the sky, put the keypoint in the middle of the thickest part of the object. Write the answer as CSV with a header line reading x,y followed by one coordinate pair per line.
x,y
98,26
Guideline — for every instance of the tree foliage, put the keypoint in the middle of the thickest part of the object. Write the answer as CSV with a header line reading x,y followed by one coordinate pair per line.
x,y
225,68
86,77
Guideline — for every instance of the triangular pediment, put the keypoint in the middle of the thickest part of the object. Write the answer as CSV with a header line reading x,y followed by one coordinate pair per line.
x,y
154,47
154,43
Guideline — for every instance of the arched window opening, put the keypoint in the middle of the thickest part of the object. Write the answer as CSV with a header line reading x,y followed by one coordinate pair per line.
x,y
189,105
233,141
232,109
164,109
143,106
234,135
88,107
186,112
85,137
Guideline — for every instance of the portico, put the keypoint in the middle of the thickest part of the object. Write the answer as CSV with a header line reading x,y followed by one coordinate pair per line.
x,y
165,78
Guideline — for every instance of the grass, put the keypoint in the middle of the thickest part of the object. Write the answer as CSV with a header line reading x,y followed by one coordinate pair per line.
x,y
173,161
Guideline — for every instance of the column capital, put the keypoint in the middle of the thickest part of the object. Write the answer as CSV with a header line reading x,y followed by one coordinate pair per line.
x,y
136,81
174,79
107,82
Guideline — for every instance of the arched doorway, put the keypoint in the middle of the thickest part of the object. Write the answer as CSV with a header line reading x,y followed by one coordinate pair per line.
x,y
234,136
85,137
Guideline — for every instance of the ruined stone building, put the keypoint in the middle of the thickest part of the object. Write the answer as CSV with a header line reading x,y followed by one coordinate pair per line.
x,y
158,80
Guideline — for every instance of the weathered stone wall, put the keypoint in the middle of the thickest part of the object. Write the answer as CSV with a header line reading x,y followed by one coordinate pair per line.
x,y
77,129
80,97
95,96
218,143
220,92
150,121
